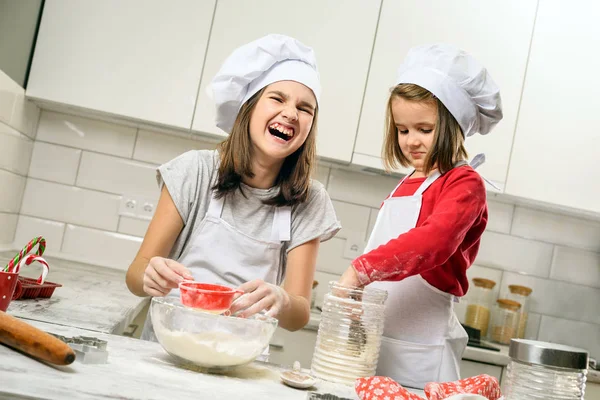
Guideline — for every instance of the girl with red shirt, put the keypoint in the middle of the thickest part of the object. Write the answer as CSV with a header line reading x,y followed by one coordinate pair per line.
x,y
428,230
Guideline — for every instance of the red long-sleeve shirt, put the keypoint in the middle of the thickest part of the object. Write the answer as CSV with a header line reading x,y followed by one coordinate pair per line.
x,y
444,242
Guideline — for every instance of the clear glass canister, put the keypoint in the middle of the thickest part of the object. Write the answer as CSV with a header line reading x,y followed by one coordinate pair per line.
x,y
520,294
549,371
480,303
349,334
505,321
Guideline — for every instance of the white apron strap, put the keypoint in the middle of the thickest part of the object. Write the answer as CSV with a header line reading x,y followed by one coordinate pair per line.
x,y
476,162
215,207
282,224
430,179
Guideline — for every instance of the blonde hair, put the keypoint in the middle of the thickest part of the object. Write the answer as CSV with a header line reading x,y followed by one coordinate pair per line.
x,y
236,161
448,142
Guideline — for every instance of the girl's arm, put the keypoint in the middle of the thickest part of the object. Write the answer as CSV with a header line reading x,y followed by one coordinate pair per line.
x,y
162,232
431,244
300,273
290,304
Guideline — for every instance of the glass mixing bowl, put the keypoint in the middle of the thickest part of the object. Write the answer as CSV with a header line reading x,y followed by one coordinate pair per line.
x,y
213,342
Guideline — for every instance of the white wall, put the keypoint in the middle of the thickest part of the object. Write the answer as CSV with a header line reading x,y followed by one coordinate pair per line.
x,y
80,168
18,123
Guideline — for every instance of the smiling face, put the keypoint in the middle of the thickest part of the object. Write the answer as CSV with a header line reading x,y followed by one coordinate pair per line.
x,y
282,119
415,122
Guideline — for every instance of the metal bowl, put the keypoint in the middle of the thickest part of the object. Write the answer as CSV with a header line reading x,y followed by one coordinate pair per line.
x,y
213,342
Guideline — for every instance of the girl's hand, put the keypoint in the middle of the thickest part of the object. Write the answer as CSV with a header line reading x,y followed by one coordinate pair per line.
x,y
258,296
162,275
350,279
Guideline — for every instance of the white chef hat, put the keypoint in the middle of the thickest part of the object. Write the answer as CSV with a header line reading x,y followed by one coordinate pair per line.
x,y
253,66
461,83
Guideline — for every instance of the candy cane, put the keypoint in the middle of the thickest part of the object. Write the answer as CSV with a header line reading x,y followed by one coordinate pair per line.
x,y
28,259
39,241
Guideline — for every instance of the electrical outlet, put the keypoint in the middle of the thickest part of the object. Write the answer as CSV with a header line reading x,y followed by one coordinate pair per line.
x,y
354,246
128,206
137,207
146,209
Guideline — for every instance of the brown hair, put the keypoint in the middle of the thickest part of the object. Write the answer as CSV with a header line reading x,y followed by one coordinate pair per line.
x,y
448,142
236,161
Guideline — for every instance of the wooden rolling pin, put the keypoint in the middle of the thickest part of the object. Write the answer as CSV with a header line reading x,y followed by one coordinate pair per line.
x,y
33,341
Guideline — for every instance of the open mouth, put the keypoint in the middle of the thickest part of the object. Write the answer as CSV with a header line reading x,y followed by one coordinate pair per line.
x,y
280,131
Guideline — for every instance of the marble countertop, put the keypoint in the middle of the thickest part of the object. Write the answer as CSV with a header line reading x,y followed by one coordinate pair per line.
x,y
92,297
139,369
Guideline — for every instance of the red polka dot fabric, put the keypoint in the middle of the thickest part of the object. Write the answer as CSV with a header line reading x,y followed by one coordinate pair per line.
x,y
483,385
383,388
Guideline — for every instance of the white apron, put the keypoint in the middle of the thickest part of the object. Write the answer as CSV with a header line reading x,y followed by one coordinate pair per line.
x,y
423,340
221,254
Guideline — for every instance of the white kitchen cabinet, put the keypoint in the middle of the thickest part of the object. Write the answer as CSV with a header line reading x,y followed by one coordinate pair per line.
x,y
342,37
138,59
557,141
497,33
287,347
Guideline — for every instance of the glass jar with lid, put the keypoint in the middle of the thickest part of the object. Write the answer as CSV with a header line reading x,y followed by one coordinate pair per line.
x,y
480,303
505,321
349,335
520,294
540,370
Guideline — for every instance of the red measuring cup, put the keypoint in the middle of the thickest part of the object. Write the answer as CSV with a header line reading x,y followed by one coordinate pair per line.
x,y
215,299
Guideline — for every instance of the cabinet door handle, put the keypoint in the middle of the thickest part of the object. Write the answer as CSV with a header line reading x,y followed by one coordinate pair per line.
x,y
276,346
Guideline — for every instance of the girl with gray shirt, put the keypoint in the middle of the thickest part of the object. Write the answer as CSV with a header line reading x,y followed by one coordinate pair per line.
x,y
248,214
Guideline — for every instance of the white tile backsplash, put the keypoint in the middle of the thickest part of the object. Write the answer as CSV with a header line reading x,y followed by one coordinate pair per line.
x,y
158,148
91,244
29,227
512,253
499,216
86,134
133,226
354,219
533,326
8,224
16,150
330,257
573,333
558,299
11,191
556,228
25,116
117,175
373,189
9,90
54,163
576,266
70,204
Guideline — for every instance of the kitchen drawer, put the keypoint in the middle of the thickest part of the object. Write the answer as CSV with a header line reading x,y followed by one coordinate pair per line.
x,y
472,368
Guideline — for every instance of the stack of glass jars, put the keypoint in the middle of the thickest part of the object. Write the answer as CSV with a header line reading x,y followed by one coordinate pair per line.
x,y
505,321
480,304
539,370
349,334
520,294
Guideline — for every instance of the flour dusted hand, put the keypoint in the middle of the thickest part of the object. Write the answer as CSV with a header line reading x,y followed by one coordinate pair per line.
x,y
162,275
258,296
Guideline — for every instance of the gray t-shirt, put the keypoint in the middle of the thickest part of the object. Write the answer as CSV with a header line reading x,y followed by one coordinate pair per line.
x,y
189,179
